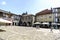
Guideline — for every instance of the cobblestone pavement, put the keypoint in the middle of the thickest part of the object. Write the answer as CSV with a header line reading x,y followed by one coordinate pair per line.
x,y
28,33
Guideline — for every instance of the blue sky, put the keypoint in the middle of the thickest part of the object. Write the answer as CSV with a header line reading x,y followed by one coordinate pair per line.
x,y
31,6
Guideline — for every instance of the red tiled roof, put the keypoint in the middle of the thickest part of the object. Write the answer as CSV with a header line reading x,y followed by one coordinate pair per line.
x,y
46,11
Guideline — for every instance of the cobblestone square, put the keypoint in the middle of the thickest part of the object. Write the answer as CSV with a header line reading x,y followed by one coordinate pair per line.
x,y
28,33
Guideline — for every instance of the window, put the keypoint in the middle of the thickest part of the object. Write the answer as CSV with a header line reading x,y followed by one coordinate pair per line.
x,y
49,16
54,10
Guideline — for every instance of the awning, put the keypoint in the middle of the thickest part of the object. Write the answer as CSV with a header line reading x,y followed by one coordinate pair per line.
x,y
4,21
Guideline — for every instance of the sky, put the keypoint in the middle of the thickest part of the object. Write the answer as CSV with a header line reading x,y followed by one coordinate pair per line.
x,y
31,6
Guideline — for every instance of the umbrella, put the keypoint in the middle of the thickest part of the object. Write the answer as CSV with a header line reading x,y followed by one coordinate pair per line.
x,y
54,23
58,24
45,23
37,23
4,21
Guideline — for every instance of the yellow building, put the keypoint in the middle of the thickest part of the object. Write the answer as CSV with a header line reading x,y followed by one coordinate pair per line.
x,y
44,16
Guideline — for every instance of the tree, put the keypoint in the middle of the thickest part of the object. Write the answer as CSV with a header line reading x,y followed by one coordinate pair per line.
x,y
25,13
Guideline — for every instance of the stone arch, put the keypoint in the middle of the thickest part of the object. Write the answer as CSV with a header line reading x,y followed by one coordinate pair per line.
x,y
24,24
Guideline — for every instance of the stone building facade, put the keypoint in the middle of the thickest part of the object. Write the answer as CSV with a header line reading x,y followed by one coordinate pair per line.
x,y
14,18
27,20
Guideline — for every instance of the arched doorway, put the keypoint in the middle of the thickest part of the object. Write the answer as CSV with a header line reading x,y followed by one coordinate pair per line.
x,y
24,24
29,23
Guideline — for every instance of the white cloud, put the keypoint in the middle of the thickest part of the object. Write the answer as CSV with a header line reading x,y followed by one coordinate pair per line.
x,y
55,3
3,3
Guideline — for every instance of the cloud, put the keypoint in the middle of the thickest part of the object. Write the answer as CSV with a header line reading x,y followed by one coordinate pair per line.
x,y
55,3
3,3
